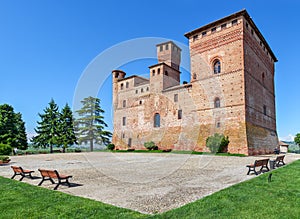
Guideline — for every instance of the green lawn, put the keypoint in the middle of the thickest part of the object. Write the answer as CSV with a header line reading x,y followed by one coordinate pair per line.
x,y
255,198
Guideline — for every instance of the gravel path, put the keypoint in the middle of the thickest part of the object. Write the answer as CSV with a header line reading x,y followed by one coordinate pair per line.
x,y
148,183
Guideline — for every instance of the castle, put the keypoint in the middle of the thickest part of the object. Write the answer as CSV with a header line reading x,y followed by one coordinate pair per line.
x,y
231,91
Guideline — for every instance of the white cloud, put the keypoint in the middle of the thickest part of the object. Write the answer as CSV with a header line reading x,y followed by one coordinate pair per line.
x,y
290,137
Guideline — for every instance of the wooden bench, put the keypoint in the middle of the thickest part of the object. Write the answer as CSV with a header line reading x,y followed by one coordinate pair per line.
x,y
20,171
279,160
53,174
258,163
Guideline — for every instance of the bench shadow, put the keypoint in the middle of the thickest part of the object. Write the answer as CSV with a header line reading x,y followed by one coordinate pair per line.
x,y
75,185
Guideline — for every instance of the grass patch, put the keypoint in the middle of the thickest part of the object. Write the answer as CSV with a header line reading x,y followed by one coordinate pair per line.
x,y
21,200
255,198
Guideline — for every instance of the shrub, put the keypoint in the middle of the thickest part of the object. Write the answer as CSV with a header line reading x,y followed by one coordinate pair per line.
x,y
150,145
5,149
217,143
111,147
78,150
4,158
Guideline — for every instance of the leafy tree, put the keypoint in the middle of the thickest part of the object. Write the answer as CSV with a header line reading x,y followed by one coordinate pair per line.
x,y
297,139
12,128
5,149
48,128
217,143
66,127
90,124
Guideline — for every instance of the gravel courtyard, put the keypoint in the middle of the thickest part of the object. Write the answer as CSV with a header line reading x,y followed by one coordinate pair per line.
x,y
145,182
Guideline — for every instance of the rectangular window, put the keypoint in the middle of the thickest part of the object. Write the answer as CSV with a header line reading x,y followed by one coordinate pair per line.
x,y
122,86
265,110
124,103
195,37
175,97
179,114
234,22
127,84
124,121
153,72
204,33
223,26
136,91
247,26
167,47
129,142
213,30
161,48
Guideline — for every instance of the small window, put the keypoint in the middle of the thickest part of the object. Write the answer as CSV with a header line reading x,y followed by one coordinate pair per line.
x,y
124,103
153,72
195,37
167,46
247,26
122,86
218,124
204,33
179,116
147,89
223,26
161,48
252,32
175,97
217,66
127,84
213,30
129,142
141,102
260,43
142,90
156,120
123,135
263,77
124,121
166,73
217,102
234,22
158,71
265,110
136,91
194,76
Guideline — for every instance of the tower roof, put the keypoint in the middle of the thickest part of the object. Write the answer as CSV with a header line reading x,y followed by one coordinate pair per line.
x,y
243,13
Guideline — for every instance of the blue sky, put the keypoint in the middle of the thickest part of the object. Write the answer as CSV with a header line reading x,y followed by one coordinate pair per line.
x,y
45,46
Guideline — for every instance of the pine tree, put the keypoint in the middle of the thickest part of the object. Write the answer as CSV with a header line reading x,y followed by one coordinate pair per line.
x,y
90,124
67,132
12,128
48,128
21,136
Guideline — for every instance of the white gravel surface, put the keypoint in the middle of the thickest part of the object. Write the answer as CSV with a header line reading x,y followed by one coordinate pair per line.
x,y
145,182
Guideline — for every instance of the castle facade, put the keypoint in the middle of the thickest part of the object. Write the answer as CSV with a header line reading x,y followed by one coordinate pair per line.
x,y
231,91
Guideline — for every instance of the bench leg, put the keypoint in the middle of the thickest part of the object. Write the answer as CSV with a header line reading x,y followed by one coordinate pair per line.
x,y
56,186
41,181
13,176
22,177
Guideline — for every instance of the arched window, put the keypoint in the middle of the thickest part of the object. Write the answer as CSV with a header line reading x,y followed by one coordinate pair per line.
x,y
156,120
217,66
217,102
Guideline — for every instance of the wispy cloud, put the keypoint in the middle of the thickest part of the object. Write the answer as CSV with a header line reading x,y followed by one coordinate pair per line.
x,y
290,137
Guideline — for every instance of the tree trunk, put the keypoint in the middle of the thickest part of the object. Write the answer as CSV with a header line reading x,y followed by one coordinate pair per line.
x,y
92,144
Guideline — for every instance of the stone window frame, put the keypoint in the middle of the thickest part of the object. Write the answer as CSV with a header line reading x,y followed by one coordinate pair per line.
x,y
158,71
166,73
213,30
204,33
156,120
124,121
195,37
223,26
124,103
234,22
153,72
217,65
122,86
175,97
167,46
